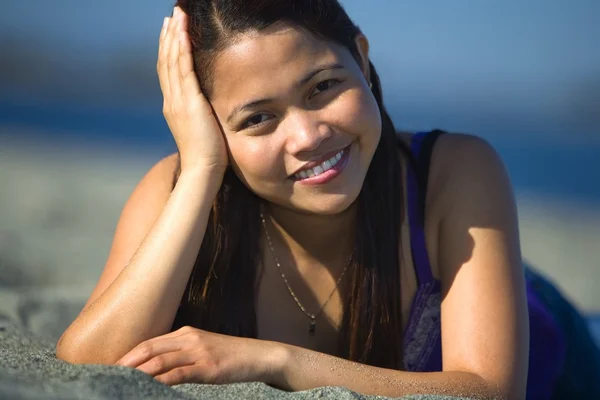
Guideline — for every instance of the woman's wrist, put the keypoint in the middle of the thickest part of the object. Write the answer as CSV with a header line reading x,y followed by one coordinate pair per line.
x,y
212,177
277,361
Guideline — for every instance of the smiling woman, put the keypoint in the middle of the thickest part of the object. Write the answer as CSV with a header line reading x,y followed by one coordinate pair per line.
x,y
315,105
297,239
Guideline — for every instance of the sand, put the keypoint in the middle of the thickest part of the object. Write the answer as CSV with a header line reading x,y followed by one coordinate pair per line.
x,y
29,370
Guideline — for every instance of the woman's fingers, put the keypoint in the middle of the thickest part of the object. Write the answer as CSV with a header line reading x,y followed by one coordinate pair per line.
x,y
166,42
189,82
183,20
164,363
144,351
163,34
173,58
197,373
161,65
190,117
149,349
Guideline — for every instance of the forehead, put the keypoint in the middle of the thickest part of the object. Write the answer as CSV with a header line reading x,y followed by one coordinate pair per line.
x,y
274,58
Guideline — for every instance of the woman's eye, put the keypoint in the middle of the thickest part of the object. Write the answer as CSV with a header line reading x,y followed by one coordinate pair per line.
x,y
255,120
325,85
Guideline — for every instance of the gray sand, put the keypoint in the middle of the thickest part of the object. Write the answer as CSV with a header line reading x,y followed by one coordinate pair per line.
x,y
29,370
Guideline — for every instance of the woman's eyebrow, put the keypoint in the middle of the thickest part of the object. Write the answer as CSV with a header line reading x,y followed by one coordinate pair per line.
x,y
316,71
299,84
254,103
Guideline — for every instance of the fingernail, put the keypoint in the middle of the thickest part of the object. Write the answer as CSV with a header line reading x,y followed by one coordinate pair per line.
x,y
165,22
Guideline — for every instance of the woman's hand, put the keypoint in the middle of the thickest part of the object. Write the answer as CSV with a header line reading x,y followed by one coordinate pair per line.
x,y
190,355
189,115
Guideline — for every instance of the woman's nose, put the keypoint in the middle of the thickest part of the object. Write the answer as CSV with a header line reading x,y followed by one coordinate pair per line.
x,y
306,132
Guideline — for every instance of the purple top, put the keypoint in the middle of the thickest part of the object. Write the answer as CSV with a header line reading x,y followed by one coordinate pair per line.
x,y
422,339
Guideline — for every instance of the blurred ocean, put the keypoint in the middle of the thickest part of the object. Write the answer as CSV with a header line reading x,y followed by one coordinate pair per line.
x,y
565,170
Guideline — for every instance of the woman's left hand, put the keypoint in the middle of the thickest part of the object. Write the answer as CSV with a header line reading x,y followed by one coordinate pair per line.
x,y
190,355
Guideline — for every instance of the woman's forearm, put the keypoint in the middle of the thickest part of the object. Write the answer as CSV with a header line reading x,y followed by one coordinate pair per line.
x,y
306,369
142,301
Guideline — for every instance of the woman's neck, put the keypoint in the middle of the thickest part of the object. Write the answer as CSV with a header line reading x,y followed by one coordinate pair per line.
x,y
327,240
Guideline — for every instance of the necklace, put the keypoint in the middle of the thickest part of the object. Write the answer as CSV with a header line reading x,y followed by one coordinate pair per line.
x,y
313,317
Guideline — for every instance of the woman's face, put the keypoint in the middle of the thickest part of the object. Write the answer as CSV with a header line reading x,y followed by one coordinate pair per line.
x,y
299,118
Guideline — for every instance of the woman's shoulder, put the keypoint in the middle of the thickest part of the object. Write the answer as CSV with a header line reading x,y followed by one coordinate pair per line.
x,y
162,173
463,167
454,155
460,166
462,159
467,186
151,193
168,164
450,144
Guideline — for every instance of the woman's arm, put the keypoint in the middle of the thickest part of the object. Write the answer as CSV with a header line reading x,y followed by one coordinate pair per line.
x,y
155,246
190,355
160,232
484,310
306,369
485,324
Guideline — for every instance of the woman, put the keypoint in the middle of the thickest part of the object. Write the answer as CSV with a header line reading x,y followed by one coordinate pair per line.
x,y
290,240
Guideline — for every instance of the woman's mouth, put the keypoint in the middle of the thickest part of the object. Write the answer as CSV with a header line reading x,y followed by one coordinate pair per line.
x,y
326,171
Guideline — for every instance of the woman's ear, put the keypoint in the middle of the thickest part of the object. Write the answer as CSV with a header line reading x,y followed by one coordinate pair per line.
x,y
362,45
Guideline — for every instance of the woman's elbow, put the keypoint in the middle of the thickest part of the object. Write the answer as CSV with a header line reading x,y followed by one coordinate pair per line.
x,y
67,351
73,351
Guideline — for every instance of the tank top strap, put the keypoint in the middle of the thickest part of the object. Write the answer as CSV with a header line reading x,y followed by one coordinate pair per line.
x,y
421,147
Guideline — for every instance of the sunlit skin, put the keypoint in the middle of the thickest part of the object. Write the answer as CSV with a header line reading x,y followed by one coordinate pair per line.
x,y
300,121
470,228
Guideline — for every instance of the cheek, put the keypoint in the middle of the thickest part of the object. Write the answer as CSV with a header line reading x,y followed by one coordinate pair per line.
x,y
253,158
357,112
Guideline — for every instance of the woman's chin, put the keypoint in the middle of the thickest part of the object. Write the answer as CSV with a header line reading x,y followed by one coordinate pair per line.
x,y
327,205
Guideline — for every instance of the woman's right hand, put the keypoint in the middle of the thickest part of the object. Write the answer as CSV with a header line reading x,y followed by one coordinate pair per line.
x,y
189,115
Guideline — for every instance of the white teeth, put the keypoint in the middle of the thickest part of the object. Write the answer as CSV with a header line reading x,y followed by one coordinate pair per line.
x,y
319,169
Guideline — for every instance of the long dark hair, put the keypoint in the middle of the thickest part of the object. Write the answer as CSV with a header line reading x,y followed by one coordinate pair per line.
x,y
220,295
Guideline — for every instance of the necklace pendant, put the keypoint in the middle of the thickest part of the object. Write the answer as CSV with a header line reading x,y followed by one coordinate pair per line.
x,y
312,327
